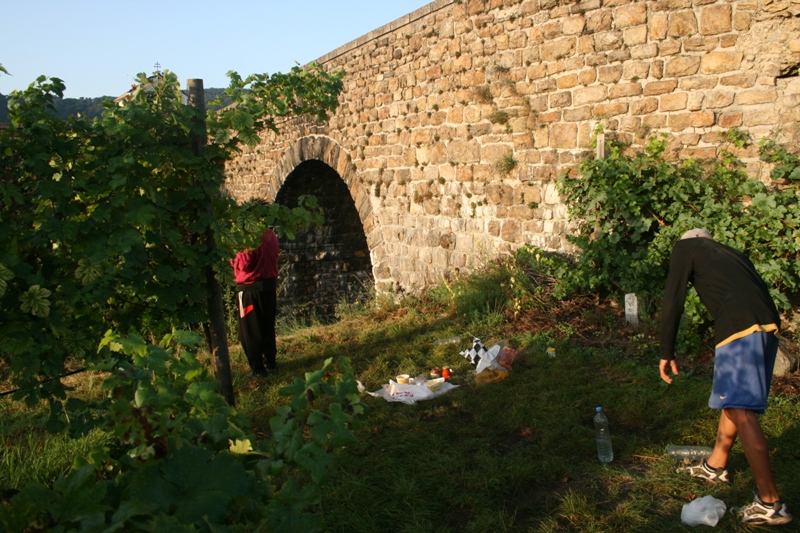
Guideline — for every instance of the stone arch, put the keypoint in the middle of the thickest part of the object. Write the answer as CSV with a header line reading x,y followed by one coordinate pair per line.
x,y
336,261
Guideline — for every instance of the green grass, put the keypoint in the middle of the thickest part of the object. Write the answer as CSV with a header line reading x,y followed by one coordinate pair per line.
x,y
519,455
516,455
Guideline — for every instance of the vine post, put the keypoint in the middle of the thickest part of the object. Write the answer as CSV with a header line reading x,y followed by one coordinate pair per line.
x,y
217,339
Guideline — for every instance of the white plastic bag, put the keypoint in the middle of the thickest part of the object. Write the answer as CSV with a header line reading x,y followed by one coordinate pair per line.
x,y
489,360
411,393
705,511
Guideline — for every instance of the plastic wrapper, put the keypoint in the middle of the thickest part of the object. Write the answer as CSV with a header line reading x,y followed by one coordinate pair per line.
x,y
705,511
491,375
411,393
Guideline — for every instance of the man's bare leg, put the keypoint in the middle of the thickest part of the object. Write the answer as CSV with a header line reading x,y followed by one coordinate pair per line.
x,y
726,436
754,443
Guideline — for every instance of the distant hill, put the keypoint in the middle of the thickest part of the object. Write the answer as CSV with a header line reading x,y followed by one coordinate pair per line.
x,y
92,107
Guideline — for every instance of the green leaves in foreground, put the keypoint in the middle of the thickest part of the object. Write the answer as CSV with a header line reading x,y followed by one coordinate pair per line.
x,y
116,222
184,460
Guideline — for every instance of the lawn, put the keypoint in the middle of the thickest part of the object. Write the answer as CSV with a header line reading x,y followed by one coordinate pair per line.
x,y
517,455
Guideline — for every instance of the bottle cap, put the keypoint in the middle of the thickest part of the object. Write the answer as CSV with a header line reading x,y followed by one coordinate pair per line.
x,y
598,409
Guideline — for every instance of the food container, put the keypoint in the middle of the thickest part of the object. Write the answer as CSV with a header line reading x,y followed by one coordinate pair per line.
x,y
436,373
434,384
402,379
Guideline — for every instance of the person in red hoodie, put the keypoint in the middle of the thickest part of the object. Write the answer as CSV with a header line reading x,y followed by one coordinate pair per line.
x,y
255,273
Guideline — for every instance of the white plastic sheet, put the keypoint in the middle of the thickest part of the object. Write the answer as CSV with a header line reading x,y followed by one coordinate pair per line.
x,y
705,511
411,393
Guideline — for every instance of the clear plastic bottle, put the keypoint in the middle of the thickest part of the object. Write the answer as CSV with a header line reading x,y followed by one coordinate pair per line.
x,y
692,453
605,452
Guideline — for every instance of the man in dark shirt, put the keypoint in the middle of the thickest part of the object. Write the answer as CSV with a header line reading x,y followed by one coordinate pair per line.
x,y
745,324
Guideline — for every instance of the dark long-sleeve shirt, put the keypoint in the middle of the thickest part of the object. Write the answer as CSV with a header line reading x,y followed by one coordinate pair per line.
x,y
728,285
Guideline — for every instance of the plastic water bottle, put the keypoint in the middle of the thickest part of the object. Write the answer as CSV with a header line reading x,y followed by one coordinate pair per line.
x,y
604,450
692,453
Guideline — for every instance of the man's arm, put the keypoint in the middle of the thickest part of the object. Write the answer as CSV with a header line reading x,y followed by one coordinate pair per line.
x,y
680,271
662,367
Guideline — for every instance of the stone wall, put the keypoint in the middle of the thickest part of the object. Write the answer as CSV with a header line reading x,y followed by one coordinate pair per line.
x,y
457,119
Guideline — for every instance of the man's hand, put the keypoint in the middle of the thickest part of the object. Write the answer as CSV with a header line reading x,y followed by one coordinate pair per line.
x,y
662,367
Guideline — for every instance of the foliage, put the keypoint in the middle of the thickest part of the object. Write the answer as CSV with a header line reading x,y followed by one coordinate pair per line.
x,y
182,459
114,222
3,109
629,209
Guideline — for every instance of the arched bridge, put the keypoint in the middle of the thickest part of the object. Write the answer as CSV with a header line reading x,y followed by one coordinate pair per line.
x,y
457,119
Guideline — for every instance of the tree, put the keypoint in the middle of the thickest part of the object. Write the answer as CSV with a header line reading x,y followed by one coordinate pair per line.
x,y
104,222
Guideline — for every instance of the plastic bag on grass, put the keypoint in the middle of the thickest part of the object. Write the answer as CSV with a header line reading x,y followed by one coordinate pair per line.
x,y
705,511
506,357
491,375
476,353
410,393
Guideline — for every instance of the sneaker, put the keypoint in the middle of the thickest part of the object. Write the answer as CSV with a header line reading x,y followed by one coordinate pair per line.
x,y
702,470
766,514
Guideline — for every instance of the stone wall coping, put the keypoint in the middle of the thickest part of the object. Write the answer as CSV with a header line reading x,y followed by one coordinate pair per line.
x,y
385,29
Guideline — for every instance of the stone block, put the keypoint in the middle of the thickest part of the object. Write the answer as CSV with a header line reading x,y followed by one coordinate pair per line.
x,y
574,25
702,119
635,36
682,24
644,106
669,48
630,15
742,20
719,62
682,66
464,152
654,122
719,99
715,19
563,135
568,81
609,74
699,153
730,120
511,231
622,90
679,121
644,51
762,116
589,95
787,359
757,96
695,83
660,87
607,40
659,24
586,77
558,49
598,21
610,109
561,99
673,102
695,102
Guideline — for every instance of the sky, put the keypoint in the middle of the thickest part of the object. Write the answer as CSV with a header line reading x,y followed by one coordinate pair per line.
x,y
97,47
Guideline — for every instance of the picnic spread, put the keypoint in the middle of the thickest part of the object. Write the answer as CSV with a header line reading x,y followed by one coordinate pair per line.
x,y
491,365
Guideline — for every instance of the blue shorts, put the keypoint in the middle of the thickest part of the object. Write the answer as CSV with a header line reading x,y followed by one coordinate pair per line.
x,y
743,372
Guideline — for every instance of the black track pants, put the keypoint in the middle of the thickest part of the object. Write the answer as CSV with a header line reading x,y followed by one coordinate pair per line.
x,y
257,304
